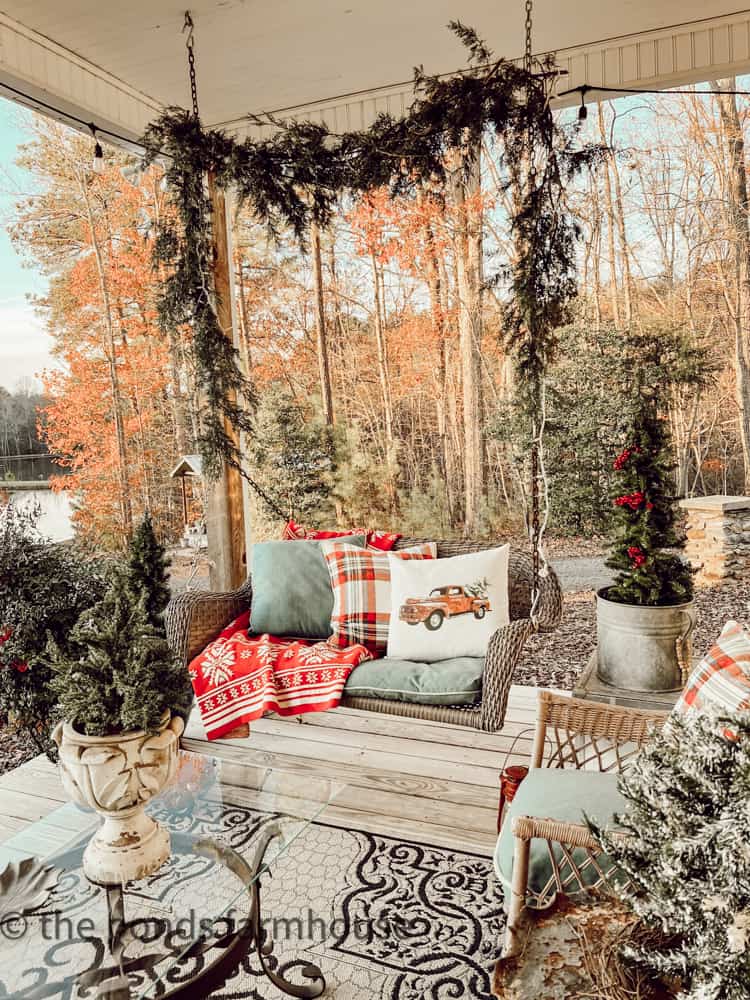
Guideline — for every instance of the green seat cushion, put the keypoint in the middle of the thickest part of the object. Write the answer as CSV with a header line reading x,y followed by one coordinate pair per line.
x,y
445,682
560,794
292,593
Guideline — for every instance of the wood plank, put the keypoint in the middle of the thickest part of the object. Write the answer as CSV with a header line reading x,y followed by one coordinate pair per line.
x,y
382,803
386,725
423,831
24,806
225,513
484,757
363,757
406,778
442,789
37,783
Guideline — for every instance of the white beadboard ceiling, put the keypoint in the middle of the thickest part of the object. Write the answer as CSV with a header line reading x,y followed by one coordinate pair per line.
x,y
120,60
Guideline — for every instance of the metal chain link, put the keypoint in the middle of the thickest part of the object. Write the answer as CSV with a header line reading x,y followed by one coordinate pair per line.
x,y
190,45
535,526
528,26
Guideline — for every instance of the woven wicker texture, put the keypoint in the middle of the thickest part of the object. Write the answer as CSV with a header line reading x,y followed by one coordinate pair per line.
x,y
584,735
194,618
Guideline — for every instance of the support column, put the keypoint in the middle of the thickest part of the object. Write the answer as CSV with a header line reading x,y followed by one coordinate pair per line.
x,y
225,523
718,533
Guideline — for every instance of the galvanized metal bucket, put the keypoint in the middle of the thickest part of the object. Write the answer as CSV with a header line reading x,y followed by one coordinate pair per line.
x,y
643,648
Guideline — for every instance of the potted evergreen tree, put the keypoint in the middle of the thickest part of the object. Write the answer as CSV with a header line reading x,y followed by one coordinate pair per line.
x,y
124,696
645,618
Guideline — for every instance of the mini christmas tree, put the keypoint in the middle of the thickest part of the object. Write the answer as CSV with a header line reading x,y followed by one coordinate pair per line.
x,y
649,570
147,570
687,854
117,672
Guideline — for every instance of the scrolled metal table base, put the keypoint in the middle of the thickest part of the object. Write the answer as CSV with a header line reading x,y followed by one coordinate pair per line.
x,y
111,981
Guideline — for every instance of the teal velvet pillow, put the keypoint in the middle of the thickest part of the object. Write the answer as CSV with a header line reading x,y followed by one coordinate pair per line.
x,y
292,593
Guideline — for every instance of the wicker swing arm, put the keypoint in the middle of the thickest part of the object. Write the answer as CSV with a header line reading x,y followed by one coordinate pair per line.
x,y
194,618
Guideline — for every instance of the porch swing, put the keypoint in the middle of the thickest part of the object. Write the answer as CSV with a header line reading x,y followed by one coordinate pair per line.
x,y
193,619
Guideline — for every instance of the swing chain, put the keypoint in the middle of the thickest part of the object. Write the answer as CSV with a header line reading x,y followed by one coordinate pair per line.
x,y
535,530
190,45
528,28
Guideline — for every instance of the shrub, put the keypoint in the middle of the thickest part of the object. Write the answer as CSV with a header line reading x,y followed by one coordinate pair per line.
x,y
686,854
44,588
117,673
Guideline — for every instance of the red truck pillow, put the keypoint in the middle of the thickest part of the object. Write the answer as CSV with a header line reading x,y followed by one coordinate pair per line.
x,y
449,607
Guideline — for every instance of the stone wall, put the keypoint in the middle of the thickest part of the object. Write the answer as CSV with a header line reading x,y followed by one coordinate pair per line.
x,y
718,532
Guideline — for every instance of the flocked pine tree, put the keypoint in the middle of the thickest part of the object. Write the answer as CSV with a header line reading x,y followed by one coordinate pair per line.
x,y
687,854
147,571
117,672
648,569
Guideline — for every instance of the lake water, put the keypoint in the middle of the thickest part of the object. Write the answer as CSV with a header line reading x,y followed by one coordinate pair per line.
x,y
55,520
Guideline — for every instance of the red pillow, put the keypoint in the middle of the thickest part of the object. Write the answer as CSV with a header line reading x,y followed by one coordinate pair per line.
x,y
382,540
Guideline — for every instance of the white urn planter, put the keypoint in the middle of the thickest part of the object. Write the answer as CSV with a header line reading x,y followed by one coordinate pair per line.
x,y
117,775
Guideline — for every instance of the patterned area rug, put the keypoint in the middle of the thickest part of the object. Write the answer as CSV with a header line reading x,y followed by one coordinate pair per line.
x,y
383,918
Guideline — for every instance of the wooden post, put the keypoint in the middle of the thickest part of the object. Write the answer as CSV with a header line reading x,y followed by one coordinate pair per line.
x,y
224,514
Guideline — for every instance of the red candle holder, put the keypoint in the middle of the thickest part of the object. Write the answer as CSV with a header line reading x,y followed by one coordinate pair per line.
x,y
510,779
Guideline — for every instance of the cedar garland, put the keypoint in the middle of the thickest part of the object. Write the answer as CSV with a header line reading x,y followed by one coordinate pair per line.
x,y
298,174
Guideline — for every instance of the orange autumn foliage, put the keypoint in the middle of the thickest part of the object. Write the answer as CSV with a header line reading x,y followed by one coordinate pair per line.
x,y
111,414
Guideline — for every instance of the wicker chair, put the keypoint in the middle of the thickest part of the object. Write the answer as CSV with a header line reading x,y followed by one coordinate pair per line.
x,y
583,735
194,618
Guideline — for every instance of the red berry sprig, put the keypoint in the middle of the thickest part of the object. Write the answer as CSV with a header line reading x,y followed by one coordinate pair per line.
x,y
636,555
624,456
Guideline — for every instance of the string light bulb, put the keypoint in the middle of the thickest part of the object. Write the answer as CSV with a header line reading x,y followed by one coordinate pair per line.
x,y
583,111
97,164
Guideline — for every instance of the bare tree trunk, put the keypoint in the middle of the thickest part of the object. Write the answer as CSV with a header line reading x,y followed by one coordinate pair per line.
x,y
740,224
610,227
324,367
438,323
619,214
126,508
382,349
179,408
468,254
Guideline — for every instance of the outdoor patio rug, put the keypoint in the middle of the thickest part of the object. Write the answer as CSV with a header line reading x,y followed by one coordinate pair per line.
x,y
383,918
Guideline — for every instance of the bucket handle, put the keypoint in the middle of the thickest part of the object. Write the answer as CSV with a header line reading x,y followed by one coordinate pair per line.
x,y
683,646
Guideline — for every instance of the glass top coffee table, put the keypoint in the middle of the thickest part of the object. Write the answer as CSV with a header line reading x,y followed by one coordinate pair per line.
x,y
182,931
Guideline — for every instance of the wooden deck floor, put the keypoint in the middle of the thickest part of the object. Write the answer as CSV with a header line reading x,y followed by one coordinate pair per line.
x,y
404,777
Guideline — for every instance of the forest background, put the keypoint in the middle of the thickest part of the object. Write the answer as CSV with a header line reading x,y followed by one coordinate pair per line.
x,y
386,394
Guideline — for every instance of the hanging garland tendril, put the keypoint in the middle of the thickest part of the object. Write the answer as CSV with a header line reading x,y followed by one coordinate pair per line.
x,y
298,174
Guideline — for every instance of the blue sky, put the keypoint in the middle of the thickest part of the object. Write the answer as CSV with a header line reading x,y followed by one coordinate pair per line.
x,y
24,342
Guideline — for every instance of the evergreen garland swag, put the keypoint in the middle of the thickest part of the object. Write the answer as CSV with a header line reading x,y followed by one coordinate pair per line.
x,y
297,175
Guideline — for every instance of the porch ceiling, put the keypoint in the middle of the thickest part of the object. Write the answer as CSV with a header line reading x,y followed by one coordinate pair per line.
x,y
343,58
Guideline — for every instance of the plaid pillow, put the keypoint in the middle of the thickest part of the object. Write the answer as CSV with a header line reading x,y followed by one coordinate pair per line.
x,y
721,681
361,581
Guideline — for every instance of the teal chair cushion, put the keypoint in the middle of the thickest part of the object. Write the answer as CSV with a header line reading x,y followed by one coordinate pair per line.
x,y
560,794
447,682
292,593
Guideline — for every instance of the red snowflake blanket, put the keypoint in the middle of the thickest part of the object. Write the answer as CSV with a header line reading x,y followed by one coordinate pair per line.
x,y
237,679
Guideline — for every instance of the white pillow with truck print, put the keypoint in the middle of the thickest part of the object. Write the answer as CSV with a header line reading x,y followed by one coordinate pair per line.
x,y
443,608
